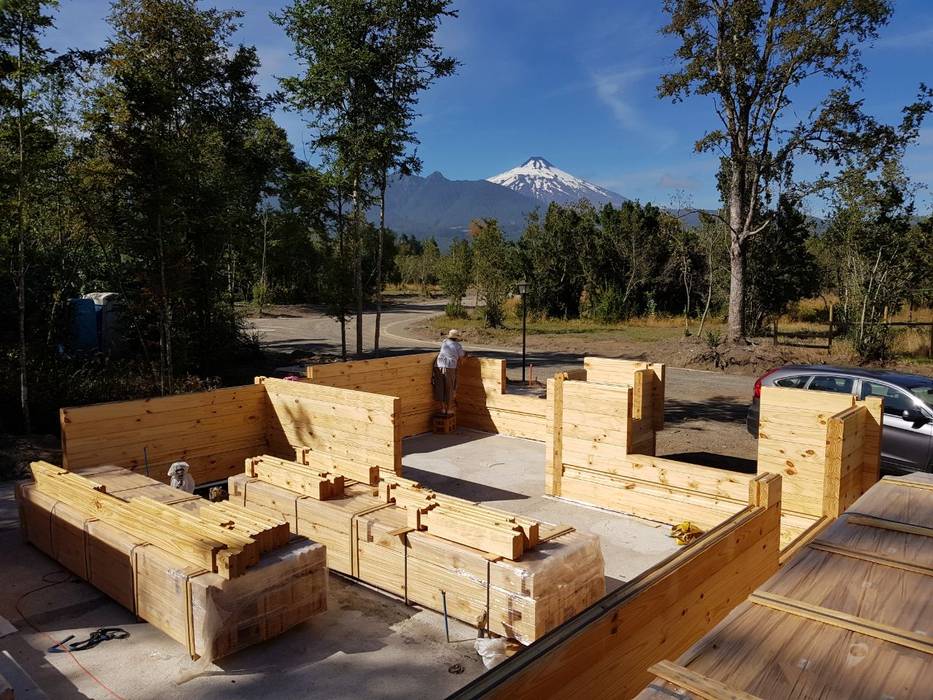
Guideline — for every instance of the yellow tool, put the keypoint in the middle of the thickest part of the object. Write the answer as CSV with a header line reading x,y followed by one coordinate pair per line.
x,y
686,532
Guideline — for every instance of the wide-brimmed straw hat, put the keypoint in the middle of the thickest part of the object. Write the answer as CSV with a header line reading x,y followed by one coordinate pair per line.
x,y
454,334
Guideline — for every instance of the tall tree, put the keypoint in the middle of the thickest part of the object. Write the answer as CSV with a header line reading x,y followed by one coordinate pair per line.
x,y
23,60
753,58
411,60
455,273
873,251
338,46
492,271
178,168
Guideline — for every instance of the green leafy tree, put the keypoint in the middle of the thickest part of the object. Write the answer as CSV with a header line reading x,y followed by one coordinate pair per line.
x,y
551,248
873,250
411,60
492,269
23,61
338,44
455,273
781,268
176,169
755,58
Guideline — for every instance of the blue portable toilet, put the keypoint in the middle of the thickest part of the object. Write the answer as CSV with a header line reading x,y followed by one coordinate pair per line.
x,y
83,334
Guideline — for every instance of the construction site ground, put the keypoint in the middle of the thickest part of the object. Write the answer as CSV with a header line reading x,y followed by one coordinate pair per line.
x,y
366,645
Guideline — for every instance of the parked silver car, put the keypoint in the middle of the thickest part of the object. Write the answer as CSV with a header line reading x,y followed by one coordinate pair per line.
x,y
907,437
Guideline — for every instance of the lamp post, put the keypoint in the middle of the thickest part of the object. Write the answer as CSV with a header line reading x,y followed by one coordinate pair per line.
x,y
523,290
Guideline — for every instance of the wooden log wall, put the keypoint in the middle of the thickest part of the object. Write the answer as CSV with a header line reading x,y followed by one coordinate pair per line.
x,y
483,404
407,376
647,380
343,424
825,445
214,431
606,651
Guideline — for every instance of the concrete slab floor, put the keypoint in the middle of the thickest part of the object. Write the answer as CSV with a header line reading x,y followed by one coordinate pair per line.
x,y
366,645
508,473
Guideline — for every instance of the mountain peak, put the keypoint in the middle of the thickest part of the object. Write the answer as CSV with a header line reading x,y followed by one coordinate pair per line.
x,y
537,162
541,180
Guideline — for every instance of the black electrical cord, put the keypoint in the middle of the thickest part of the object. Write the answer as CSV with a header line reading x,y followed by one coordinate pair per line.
x,y
97,636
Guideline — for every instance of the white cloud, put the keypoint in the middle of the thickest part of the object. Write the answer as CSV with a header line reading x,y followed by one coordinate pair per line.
x,y
917,39
621,91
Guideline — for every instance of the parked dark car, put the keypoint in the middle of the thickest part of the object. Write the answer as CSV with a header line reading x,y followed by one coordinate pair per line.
x,y
907,437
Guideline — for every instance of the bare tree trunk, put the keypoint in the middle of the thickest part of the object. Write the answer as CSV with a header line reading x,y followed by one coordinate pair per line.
x,y
709,295
341,246
379,251
686,278
21,230
738,210
166,378
358,266
736,331
262,273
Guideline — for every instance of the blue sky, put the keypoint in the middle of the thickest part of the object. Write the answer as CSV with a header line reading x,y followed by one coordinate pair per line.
x,y
574,82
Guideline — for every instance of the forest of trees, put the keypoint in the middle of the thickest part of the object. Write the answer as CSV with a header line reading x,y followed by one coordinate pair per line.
x,y
613,264
153,167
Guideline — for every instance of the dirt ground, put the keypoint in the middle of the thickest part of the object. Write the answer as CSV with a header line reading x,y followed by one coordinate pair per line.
x,y
673,349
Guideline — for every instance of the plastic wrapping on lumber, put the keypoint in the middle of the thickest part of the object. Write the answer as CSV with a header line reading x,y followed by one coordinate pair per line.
x,y
287,587
368,538
211,616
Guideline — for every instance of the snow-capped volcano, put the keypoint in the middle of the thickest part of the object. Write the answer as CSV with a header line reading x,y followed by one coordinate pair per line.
x,y
538,178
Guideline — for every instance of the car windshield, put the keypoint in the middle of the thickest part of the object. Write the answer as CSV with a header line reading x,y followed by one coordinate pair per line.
x,y
924,393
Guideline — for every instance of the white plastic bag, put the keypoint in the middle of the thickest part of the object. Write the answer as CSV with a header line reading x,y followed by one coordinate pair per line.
x,y
492,651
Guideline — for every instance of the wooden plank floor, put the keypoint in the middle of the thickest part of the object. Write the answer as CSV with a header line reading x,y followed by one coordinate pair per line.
x,y
851,616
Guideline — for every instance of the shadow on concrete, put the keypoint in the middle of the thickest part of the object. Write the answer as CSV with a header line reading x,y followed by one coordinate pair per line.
x,y
720,409
432,442
453,486
710,459
613,583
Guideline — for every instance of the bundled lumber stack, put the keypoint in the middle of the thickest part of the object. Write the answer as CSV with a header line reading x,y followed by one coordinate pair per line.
x,y
307,480
515,576
494,531
214,576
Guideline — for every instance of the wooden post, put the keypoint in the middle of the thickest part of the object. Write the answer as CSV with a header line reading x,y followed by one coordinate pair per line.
x,y
774,327
829,347
930,349
555,456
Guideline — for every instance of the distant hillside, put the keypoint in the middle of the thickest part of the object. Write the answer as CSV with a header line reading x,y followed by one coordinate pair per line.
x,y
442,208
436,206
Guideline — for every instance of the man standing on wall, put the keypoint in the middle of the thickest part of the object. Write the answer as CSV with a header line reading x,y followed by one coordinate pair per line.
x,y
445,370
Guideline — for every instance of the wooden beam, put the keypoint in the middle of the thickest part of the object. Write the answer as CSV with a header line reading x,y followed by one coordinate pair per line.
x,y
837,618
900,481
892,525
824,546
605,651
698,684
556,454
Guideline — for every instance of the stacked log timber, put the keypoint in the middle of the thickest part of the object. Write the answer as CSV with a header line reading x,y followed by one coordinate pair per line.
x,y
216,577
500,572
